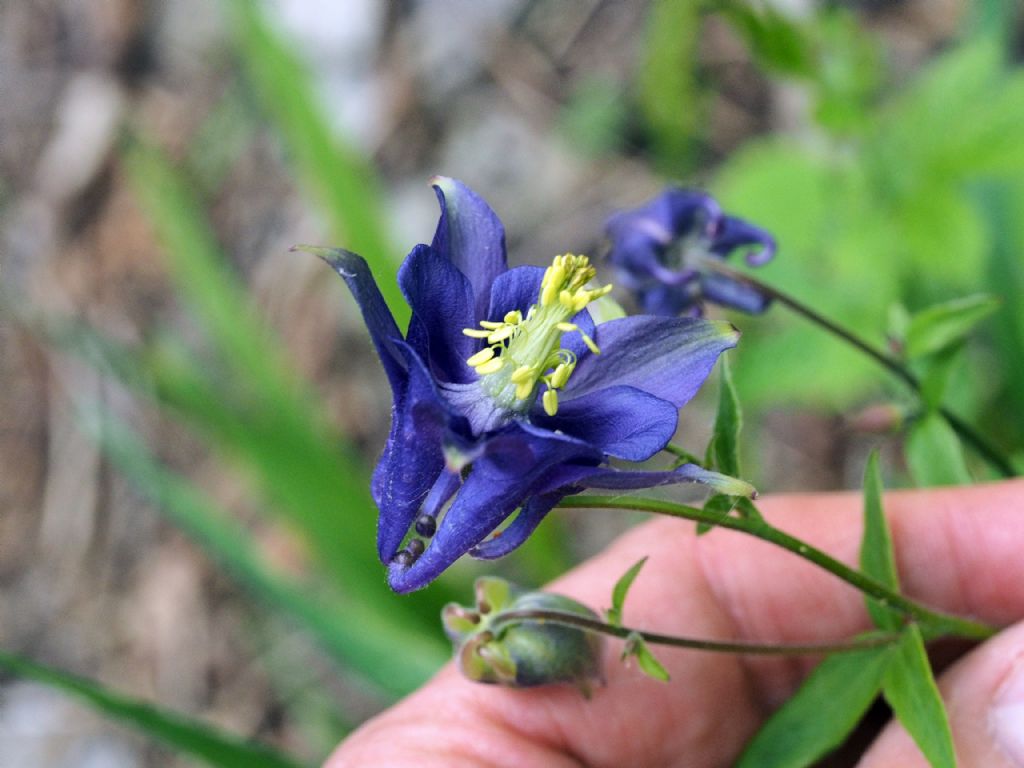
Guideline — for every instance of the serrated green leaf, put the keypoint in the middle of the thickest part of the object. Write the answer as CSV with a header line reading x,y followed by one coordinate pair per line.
x,y
728,423
876,554
935,455
647,662
620,590
821,714
910,689
936,328
186,735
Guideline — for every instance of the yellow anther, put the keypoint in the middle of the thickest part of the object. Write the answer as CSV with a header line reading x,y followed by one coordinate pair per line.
x,y
560,375
550,402
524,388
504,332
525,345
523,373
480,357
491,366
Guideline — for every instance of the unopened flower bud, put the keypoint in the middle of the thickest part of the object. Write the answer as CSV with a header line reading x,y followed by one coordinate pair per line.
x,y
521,652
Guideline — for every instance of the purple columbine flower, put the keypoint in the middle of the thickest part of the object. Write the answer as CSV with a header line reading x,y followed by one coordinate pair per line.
x,y
506,395
663,252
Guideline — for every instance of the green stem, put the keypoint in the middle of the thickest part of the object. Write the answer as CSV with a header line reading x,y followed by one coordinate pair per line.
x,y
683,456
932,620
874,640
965,430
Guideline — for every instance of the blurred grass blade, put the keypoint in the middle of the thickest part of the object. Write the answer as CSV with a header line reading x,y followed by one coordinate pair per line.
x,y
183,734
934,453
821,714
376,644
338,176
249,404
670,101
910,689
876,555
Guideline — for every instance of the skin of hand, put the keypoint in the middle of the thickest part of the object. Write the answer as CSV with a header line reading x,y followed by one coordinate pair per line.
x,y
957,549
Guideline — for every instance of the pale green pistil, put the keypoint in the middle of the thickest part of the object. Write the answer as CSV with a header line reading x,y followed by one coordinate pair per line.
x,y
524,352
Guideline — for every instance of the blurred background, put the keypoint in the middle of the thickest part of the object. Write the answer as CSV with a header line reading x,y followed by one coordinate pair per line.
x,y
189,412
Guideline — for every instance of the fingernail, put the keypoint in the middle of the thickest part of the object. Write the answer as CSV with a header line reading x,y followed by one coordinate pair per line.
x,y
1006,716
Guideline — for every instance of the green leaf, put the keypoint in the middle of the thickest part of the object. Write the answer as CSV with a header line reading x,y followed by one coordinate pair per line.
x,y
746,508
647,662
910,689
719,505
620,591
777,42
821,714
728,423
935,455
876,554
936,372
191,737
335,173
936,328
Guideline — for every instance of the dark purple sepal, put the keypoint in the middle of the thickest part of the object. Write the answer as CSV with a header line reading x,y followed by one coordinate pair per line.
x,y
413,457
441,300
623,421
733,233
380,323
668,357
470,235
727,292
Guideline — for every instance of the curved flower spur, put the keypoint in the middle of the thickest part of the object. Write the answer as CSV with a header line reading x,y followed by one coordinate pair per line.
x,y
506,395
664,253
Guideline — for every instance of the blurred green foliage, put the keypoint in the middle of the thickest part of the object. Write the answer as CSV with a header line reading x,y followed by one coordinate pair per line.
x,y
897,194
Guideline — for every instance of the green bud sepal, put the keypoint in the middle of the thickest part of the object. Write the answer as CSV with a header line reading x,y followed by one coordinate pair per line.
x,y
521,653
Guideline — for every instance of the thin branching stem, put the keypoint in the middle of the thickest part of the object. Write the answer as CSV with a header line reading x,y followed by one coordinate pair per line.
x,y
873,640
932,621
965,430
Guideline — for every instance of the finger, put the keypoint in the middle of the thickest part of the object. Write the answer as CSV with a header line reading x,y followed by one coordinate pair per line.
x,y
984,695
957,549
633,720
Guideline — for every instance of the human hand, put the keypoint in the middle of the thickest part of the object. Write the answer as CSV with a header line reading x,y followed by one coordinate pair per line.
x,y
957,549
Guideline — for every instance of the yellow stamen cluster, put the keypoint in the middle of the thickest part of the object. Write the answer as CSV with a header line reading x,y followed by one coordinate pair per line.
x,y
526,350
